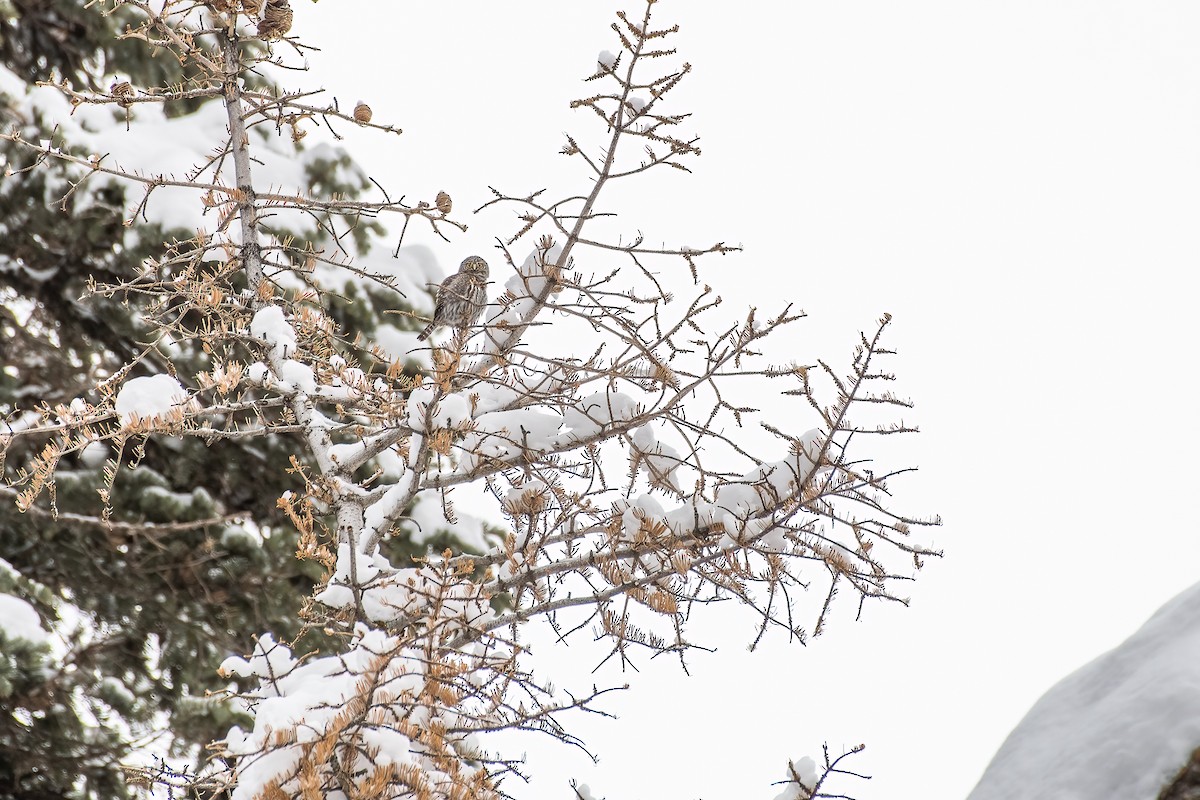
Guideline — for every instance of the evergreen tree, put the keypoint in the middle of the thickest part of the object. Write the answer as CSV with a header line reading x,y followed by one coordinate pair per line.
x,y
153,576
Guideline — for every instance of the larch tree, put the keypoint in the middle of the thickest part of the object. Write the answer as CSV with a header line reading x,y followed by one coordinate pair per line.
x,y
230,474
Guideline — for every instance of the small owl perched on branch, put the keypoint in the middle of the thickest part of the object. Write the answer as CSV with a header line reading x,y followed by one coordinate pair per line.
x,y
461,297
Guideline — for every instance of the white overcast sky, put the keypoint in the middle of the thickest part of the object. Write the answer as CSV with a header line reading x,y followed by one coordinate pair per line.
x,y
1018,183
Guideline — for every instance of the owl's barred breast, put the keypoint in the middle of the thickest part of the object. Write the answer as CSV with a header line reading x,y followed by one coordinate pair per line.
x,y
461,297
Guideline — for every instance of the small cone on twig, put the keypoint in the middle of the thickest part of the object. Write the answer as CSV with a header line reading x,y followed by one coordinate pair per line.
x,y
443,202
252,7
122,90
362,112
276,21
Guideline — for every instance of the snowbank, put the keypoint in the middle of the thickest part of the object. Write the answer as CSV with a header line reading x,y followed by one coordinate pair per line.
x,y
1119,727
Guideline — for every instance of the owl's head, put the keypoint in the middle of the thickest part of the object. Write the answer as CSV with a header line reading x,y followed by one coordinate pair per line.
x,y
475,267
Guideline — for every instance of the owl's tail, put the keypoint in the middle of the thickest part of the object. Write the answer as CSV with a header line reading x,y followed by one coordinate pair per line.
x,y
423,335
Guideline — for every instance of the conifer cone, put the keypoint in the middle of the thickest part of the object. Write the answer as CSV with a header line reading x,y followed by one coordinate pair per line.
x,y
276,21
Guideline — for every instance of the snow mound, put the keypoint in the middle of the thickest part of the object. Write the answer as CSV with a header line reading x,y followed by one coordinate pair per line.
x,y
149,397
19,620
1119,727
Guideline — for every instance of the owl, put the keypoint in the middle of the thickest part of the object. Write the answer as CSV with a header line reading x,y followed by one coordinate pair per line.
x,y
461,297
